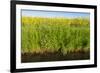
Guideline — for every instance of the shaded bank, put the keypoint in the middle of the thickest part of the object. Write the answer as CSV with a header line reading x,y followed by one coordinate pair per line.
x,y
56,56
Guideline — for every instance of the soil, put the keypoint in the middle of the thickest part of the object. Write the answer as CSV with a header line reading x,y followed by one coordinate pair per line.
x,y
47,56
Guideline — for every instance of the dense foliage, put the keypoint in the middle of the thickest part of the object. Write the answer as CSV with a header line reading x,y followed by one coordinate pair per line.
x,y
41,34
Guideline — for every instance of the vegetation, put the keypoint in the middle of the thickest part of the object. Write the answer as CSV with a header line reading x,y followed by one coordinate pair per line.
x,y
41,34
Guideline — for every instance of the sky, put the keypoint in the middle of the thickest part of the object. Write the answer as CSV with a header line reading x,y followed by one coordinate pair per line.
x,y
38,13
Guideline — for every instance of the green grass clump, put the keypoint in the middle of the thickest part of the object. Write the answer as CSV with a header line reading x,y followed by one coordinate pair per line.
x,y
41,35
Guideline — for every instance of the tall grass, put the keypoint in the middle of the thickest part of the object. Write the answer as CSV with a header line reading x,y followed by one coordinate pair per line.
x,y
41,34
